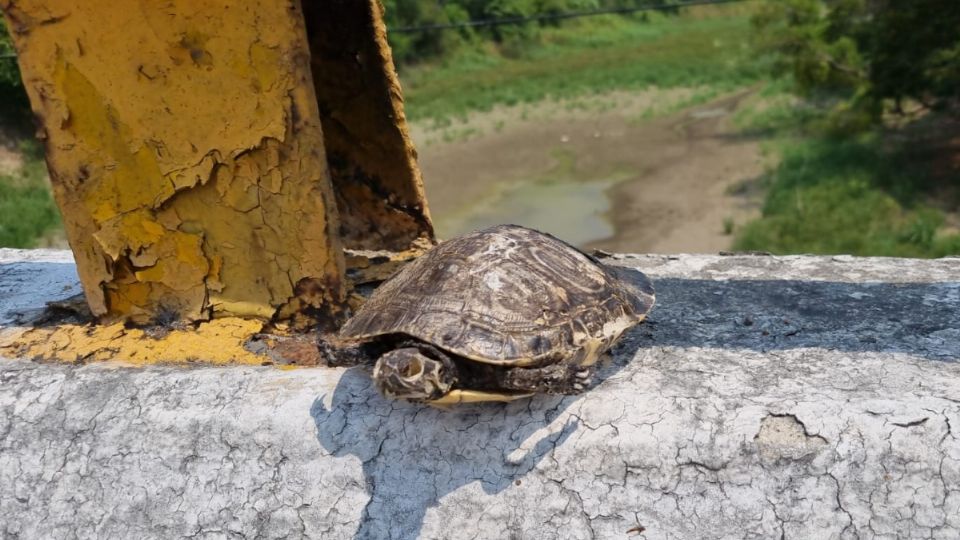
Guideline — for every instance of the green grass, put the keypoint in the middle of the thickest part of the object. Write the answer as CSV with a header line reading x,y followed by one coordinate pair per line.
x,y
586,59
862,195
27,210
728,226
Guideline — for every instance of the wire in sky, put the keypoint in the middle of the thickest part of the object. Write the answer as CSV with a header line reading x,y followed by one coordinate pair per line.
x,y
551,16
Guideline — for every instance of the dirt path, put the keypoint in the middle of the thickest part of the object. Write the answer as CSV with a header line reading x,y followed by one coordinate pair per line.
x,y
660,185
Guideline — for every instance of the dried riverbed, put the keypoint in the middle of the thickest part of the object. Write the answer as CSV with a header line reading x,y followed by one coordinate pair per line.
x,y
619,172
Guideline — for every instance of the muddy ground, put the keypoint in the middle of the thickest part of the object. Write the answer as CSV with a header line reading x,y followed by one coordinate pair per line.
x,y
615,173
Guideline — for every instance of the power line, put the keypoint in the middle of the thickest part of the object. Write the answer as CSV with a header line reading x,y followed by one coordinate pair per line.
x,y
552,16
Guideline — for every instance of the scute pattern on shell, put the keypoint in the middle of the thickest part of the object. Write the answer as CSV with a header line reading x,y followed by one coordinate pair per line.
x,y
504,295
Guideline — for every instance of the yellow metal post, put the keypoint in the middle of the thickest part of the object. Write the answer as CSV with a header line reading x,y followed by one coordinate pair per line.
x,y
185,142
372,160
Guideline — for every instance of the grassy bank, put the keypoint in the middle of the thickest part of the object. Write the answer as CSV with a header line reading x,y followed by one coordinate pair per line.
x,y
884,193
27,211
701,48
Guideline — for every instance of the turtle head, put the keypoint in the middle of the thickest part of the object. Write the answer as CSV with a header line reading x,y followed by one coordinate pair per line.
x,y
407,373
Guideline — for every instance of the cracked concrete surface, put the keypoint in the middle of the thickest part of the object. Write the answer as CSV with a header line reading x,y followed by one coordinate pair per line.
x,y
767,397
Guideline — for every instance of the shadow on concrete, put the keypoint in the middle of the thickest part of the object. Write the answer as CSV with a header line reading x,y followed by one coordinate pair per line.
x,y
27,287
752,314
414,455
922,319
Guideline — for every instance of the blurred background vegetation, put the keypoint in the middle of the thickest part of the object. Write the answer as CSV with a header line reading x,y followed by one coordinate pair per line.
x,y
27,211
856,104
869,166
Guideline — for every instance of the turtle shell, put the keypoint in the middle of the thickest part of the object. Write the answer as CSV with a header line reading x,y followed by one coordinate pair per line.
x,y
506,295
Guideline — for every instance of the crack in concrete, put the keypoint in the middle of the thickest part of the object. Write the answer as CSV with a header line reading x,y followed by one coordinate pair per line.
x,y
704,434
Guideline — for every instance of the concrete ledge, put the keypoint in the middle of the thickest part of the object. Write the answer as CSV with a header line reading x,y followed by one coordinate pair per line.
x,y
793,397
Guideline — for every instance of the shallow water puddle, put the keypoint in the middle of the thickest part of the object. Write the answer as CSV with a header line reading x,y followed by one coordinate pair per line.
x,y
571,210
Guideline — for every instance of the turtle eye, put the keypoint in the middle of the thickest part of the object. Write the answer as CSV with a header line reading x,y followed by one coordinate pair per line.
x,y
412,368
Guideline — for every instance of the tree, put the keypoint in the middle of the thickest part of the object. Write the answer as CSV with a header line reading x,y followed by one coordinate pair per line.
x,y
914,51
14,106
868,52
430,44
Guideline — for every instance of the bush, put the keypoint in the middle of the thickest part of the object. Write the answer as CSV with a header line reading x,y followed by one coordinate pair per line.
x,y
848,196
26,213
511,39
869,53
15,112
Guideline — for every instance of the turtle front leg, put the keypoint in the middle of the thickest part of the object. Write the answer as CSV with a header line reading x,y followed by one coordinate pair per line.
x,y
554,379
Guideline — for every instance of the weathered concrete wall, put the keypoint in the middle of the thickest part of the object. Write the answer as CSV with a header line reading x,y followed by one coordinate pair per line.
x,y
795,397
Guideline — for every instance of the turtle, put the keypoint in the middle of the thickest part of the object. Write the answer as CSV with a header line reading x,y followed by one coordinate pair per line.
x,y
498,314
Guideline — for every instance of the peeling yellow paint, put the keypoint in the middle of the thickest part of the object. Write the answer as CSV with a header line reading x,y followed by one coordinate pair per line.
x,y
186,154
288,367
217,342
188,143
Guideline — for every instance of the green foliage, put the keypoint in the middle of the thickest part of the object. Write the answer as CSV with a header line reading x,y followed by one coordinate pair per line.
x,y
849,196
865,53
808,46
409,48
26,213
852,186
14,106
914,48
27,210
728,225
594,56
8,68
508,39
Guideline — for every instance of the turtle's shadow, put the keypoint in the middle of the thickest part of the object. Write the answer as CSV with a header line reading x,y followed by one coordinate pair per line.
x,y
414,455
